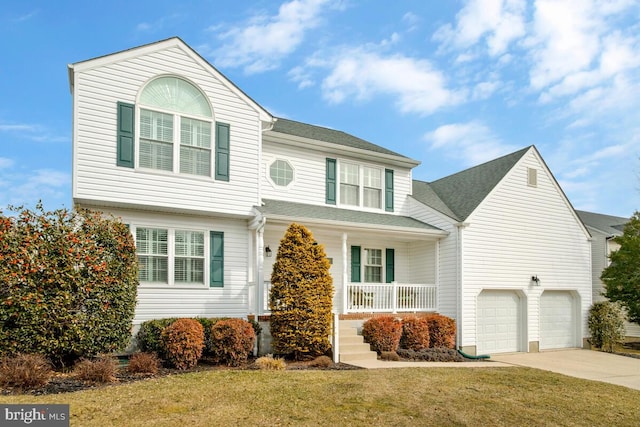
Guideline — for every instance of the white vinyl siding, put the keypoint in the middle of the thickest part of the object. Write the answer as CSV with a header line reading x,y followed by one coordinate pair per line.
x,y
97,179
309,185
520,231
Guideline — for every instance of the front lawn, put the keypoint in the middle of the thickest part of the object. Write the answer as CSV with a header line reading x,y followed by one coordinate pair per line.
x,y
398,397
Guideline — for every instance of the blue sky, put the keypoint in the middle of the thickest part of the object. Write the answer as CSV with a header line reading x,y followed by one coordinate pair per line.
x,y
449,83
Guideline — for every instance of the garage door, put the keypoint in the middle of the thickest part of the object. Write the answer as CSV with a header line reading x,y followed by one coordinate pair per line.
x,y
498,322
557,320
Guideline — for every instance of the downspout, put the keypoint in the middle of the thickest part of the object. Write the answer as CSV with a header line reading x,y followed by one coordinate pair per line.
x,y
459,227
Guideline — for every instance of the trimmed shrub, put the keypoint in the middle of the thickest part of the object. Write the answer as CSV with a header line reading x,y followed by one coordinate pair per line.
x,y
606,323
415,333
268,363
442,331
301,296
207,323
99,371
391,356
24,371
183,341
321,362
149,336
382,333
432,355
232,341
68,284
143,363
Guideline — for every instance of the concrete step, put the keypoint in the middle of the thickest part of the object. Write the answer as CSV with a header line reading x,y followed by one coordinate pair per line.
x,y
348,357
348,332
356,339
354,348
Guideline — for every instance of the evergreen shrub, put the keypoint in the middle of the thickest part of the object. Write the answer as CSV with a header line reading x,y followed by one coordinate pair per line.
x,y
182,343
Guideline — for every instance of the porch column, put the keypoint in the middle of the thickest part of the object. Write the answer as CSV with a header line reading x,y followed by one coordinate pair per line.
x,y
260,276
345,272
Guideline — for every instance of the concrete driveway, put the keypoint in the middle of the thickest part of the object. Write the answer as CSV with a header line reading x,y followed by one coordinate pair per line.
x,y
587,364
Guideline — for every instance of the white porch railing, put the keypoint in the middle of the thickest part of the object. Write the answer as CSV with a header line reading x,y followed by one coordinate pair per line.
x,y
390,297
370,298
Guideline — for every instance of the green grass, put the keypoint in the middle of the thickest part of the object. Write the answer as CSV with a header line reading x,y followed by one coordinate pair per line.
x,y
398,397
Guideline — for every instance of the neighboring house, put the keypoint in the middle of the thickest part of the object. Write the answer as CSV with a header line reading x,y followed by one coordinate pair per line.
x,y
603,229
208,181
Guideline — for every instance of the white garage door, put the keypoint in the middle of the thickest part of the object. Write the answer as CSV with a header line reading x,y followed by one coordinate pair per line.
x,y
557,320
498,322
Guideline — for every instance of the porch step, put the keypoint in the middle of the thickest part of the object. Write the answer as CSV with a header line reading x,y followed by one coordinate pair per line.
x,y
352,345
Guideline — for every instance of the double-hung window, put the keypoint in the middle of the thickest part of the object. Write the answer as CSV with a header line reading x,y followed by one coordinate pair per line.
x,y
373,265
360,186
179,257
175,127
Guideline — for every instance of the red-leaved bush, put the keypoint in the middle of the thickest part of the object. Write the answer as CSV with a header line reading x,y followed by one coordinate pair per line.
x,y
442,331
382,333
231,341
415,333
183,342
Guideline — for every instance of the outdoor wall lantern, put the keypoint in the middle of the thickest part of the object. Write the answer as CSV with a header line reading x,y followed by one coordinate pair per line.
x,y
268,251
535,280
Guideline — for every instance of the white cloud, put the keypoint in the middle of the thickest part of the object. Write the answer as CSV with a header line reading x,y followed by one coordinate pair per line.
x,y
32,132
415,84
5,163
261,43
27,188
498,22
472,143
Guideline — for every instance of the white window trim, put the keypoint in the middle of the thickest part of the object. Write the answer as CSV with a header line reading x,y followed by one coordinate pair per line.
x,y
177,117
171,256
361,166
268,173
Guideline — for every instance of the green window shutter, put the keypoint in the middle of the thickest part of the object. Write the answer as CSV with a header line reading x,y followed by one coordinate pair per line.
x,y
217,259
390,265
355,264
222,151
331,182
125,138
388,190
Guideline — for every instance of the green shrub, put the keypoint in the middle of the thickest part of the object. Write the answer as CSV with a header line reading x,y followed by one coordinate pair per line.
x,y
391,356
207,323
301,296
68,283
149,336
382,333
232,341
143,363
182,342
24,371
606,323
268,363
99,371
415,333
442,331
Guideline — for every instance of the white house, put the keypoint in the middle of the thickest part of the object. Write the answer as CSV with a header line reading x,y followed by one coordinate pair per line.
x,y
208,181
604,228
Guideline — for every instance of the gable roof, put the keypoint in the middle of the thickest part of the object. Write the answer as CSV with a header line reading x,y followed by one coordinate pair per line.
x,y
458,195
158,45
606,224
279,209
319,133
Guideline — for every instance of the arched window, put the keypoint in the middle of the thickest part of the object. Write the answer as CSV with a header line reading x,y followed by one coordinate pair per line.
x,y
175,123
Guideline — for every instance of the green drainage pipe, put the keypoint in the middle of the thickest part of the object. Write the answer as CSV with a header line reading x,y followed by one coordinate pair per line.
x,y
468,356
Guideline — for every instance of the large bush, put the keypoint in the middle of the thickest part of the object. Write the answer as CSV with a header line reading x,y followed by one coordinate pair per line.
x,y
232,341
442,331
301,296
149,336
415,333
383,333
68,282
182,342
606,323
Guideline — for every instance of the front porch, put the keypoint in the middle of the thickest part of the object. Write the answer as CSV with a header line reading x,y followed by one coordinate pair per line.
x,y
368,298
